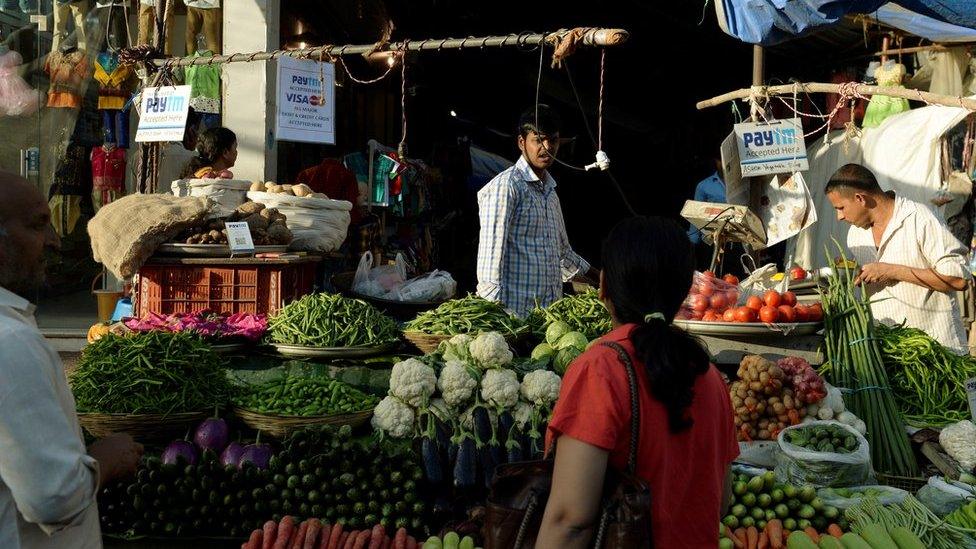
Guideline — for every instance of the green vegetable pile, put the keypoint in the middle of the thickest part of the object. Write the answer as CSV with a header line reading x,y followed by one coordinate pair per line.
x,y
868,518
560,347
305,396
468,315
823,438
151,373
928,379
328,320
584,313
759,499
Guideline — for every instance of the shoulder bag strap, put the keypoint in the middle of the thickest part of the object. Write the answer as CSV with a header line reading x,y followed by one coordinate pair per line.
x,y
634,403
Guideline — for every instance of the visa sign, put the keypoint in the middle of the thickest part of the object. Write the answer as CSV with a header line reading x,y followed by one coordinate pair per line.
x,y
163,113
305,110
771,147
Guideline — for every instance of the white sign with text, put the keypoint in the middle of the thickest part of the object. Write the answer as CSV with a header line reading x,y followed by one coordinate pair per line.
x,y
164,113
771,147
239,237
306,101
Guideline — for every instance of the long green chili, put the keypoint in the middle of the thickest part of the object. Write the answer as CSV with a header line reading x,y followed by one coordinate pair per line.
x,y
328,320
471,314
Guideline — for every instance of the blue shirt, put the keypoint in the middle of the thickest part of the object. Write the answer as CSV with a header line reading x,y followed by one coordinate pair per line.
x,y
710,189
524,254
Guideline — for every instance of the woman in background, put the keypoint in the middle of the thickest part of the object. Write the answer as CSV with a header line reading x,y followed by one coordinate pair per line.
x,y
216,154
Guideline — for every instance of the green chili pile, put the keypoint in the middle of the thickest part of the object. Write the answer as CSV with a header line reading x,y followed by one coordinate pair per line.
x,y
151,373
855,364
928,379
468,315
584,313
306,396
329,320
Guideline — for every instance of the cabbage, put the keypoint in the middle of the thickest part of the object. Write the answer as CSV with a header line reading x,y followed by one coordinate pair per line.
x,y
555,331
575,340
563,358
543,351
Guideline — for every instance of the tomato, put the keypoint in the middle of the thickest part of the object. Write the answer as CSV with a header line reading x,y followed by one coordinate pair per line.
x,y
801,313
789,298
772,299
745,314
815,312
787,314
698,303
719,302
732,297
695,315
708,274
710,316
728,315
754,303
769,314
707,288
731,279
798,273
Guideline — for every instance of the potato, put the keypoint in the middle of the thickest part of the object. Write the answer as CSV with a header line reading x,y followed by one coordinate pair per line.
x,y
256,222
277,189
268,185
280,234
257,186
269,213
302,190
214,234
249,208
318,195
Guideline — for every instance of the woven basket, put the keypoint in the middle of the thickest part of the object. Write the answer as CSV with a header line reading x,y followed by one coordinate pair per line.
x,y
142,427
427,343
282,426
909,484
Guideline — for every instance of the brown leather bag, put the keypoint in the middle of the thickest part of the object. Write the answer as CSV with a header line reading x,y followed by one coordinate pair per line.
x,y
520,491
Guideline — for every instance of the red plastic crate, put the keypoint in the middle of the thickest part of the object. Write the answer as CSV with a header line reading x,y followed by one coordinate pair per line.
x,y
174,288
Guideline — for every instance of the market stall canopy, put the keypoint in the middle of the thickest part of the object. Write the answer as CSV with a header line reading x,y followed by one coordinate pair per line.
x,y
770,22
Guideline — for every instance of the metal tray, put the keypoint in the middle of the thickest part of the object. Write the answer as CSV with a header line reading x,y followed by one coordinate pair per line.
x,y
302,351
211,250
748,328
228,348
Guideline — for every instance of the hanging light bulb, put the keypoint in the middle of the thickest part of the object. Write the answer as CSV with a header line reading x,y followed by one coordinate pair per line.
x,y
390,59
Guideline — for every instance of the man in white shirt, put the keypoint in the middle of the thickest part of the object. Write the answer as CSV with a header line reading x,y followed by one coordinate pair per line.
x,y
911,265
48,480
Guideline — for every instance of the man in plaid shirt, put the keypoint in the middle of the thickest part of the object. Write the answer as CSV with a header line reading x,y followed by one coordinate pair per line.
x,y
524,255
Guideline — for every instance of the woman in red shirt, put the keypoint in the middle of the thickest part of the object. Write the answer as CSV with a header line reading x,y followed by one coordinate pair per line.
x,y
687,439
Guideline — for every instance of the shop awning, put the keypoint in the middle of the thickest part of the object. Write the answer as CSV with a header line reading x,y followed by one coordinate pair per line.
x,y
769,22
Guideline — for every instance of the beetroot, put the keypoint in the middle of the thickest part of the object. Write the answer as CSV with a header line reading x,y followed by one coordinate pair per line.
x,y
232,454
180,449
212,434
258,453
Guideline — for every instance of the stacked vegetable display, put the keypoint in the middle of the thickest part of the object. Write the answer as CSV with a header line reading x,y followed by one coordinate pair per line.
x,y
305,396
855,363
928,379
766,400
761,499
328,320
468,315
313,533
583,313
474,414
151,373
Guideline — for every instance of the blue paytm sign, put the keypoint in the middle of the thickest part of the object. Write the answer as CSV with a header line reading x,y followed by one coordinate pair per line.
x,y
771,147
163,113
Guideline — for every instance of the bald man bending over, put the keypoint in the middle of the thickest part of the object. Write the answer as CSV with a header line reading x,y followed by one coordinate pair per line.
x,y
48,479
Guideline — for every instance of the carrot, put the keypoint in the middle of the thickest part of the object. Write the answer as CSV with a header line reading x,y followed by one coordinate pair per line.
x,y
400,540
740,533
835,531
387,543
299,540
736,540
335,536
254,542
763,540
270,531
377,536
314,527
350,539
362,539
342,540
411,543
775,530
324,538
812,532
285,529
752,538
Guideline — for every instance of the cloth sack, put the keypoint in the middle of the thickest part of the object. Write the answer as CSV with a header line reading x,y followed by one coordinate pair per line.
x,y
126,232
227,194
318,224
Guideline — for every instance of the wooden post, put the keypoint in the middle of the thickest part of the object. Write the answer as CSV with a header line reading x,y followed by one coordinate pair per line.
x,y
758,66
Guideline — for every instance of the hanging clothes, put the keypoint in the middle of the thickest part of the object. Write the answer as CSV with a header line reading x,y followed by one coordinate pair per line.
x,y
108,175
949,71
205,16
335,181
16,97
68,73
882,106
72,182
114,81
204,82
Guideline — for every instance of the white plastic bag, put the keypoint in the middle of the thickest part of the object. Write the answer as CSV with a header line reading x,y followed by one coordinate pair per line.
x,y
434,286
798,465
839,497
318,224
760,453
227,194
382,281
942,497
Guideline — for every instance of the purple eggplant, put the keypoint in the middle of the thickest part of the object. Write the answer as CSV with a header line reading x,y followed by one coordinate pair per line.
x,y
180,449
212,434
258,453
232,454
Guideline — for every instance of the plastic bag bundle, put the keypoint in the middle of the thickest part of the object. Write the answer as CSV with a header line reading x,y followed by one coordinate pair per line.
x,y
843,498
379,281
799,465
942,498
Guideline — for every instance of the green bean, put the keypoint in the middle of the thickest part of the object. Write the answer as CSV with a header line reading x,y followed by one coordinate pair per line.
x,y
284,396
584,313
327,320
471,314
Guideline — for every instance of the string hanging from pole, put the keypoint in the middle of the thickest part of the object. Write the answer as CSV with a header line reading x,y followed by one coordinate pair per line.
x,y
599,110
402,147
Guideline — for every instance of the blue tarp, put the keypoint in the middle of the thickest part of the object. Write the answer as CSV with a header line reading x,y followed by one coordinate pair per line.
x,y
769,22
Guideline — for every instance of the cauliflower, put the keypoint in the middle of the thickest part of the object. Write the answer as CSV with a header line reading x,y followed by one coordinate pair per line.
x,y
523,414
393,417
456,383
413,382
490,350
541,387
959,441
457,348
500,388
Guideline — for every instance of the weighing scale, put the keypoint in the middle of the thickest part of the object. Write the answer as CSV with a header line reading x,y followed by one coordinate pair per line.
x,y
723,223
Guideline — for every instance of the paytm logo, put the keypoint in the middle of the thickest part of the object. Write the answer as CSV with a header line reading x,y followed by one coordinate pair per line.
x,y
304,80
174,103
783,136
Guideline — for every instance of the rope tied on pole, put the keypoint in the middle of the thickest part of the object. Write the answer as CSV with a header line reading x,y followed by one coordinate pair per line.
x,y
567,45
402,147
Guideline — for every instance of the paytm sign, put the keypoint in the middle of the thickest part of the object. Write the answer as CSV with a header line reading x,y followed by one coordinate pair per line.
x,y
306,105
771,147
163,113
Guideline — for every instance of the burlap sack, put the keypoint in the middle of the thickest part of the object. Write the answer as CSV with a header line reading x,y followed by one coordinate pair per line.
x,y
126,232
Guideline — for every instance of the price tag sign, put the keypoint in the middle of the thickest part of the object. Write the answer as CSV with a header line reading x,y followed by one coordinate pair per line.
x,y
971,396
239,238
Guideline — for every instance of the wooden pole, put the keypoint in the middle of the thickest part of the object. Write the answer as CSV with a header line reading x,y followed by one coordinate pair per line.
x,y
820,87
919,49
758,66
598,37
